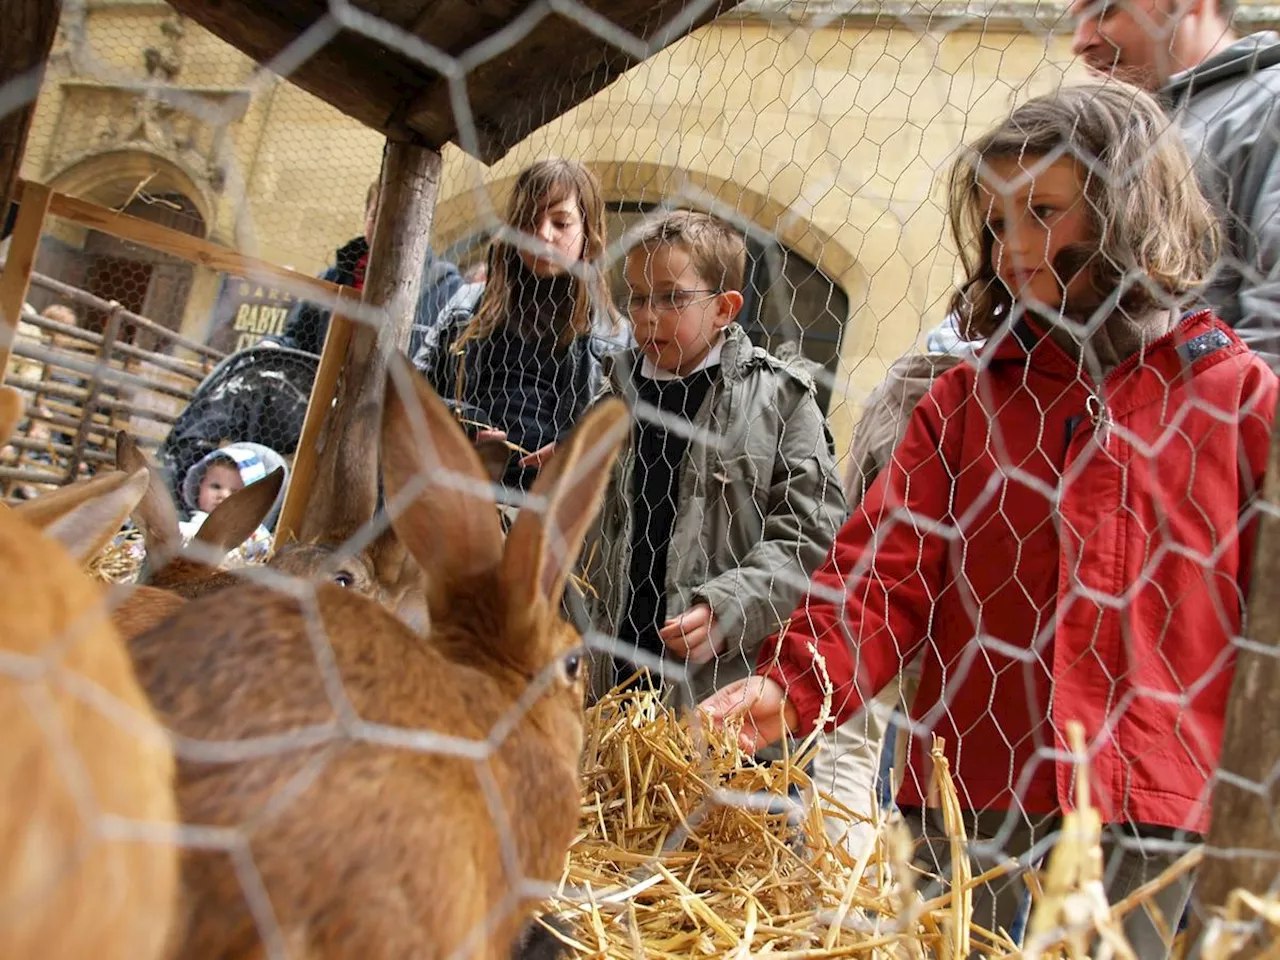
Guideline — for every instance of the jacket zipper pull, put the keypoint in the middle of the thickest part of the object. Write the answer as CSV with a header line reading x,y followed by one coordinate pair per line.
x,y
1099,416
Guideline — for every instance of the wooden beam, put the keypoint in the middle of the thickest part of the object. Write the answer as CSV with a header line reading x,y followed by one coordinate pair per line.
x,y
346,490
21,261
302,477
1243,849
544,70
25,42
349,71
186,247
555,66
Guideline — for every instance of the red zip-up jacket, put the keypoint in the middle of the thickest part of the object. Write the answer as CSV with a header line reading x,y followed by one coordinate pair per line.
x,y
1059,552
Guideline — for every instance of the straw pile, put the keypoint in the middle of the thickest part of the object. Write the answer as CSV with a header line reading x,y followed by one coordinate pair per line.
x,y
121,559
689,849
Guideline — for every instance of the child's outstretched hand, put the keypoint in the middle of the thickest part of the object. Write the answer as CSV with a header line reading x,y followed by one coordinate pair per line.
x,y
693,635
539,456
761,703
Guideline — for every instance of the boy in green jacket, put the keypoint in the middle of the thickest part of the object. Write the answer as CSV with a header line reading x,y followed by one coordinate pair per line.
x,y
727,497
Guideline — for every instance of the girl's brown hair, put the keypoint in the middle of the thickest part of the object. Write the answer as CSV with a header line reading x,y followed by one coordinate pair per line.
x,y
1148,217
542,185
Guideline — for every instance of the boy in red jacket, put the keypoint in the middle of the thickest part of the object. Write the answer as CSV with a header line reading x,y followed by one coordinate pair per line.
x,y
1065,528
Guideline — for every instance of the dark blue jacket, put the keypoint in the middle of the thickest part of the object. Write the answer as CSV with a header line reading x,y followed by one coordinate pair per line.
x,y
308,323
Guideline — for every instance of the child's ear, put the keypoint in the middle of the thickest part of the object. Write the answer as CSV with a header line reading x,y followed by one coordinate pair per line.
x,y
728,305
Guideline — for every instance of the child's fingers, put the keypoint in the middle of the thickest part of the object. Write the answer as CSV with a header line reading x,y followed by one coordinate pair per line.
x,y
701,649
539,456
727,703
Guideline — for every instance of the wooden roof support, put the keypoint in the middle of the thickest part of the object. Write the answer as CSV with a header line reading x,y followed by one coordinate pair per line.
x,y
346,467
25,42
15,279
520,65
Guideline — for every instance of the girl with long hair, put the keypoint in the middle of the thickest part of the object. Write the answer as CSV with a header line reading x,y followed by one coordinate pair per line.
x,y
520,354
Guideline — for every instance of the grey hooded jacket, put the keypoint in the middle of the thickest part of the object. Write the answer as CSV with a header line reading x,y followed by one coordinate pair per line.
x,y
1227,110
759,506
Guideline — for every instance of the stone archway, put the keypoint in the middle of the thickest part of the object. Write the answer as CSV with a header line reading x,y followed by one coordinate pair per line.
x,y
145,281
624,181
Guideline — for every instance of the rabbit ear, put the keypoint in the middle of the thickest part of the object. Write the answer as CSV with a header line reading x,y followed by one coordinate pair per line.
x,y
437,491
52,506
546,539
90,523
156,516
233,521
10,412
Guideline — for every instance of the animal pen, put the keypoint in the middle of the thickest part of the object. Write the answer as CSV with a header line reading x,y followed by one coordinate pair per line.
x,y
686,847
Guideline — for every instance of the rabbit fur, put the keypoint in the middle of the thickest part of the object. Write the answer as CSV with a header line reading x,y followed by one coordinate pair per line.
x,y
383,571
66,889
377,847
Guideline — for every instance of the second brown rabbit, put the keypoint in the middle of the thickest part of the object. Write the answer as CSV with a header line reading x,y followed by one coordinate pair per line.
x,y
395,795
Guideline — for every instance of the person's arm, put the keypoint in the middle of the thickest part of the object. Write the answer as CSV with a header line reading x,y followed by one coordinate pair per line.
x,y
436,360
885,417
868,609
804,510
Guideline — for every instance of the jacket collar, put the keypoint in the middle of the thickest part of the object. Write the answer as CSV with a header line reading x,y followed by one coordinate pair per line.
x,y
1242,59
737,356
1198,340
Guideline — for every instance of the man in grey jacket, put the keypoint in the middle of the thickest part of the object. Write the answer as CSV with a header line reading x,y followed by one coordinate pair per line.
x,y
1222,90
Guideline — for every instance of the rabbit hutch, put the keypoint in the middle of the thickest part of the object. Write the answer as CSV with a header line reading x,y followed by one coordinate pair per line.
x,y
670,861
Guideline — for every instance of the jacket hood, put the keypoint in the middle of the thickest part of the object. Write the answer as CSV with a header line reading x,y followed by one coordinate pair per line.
x,y
1242,59
254,462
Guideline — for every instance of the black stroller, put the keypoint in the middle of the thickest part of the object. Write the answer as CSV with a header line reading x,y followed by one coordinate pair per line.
x,y
258,395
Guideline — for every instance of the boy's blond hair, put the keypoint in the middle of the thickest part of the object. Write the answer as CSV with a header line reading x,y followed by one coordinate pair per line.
x,y
718,251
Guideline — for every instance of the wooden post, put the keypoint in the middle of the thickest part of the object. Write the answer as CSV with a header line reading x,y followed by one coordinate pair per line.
x,y
302,475
346,485
25,41
16,277
90,409
1244,838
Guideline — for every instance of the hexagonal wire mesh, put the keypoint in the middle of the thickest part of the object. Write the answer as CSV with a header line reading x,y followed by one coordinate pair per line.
x,y
1043,459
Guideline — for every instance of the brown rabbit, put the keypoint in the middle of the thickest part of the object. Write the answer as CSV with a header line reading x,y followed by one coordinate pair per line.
x,y
419,792
83,759
192,571
383,571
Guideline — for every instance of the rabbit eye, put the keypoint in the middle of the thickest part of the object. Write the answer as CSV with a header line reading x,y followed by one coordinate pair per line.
x,y
344,579
572,666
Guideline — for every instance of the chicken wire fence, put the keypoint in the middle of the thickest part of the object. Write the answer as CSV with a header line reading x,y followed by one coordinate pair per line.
x,y
1062,529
